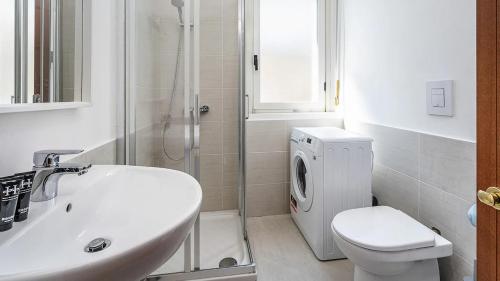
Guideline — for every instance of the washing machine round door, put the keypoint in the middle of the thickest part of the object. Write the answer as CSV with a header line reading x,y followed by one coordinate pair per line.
x,y
302,181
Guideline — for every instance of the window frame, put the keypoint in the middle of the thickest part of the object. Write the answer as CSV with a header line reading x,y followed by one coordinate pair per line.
x,y
327,37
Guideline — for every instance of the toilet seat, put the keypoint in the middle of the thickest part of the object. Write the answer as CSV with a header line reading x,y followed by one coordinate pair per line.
x,y
382,229
385,244
443,248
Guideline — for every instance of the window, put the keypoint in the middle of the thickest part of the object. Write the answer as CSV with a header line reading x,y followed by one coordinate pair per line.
x,y
288,55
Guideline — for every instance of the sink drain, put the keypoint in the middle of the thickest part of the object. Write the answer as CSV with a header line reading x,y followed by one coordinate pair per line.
x,y
228,262
97,245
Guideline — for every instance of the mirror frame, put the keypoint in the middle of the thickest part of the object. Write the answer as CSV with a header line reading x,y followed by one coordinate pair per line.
x,y
85,83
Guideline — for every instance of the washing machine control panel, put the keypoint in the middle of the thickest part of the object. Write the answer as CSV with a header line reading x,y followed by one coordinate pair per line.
x,y
309,142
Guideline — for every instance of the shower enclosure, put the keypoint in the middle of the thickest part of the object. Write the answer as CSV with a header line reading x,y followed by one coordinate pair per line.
x,y
184,110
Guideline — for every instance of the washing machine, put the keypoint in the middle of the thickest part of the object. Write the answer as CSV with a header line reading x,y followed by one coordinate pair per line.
x,y
331,171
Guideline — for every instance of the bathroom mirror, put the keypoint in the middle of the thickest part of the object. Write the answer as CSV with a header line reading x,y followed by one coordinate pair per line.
x,y
44,52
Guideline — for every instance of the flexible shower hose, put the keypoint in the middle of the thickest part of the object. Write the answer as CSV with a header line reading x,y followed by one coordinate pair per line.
x,y
171,103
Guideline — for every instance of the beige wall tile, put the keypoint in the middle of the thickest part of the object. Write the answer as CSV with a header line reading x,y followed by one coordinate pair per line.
x,y
212,98
211,138
153,68
231,72
266,168
210,10
230,31
265,200
144,147
230,101
211,169
266,136
231,137
163,35
211,38
163,161
286,201
230,170
288,166
230,198
230,12
212,199
210,72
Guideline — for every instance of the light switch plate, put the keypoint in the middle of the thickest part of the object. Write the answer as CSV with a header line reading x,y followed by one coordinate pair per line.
x,y
440,98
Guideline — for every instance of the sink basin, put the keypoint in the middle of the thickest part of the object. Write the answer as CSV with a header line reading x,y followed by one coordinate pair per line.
x,y
145,213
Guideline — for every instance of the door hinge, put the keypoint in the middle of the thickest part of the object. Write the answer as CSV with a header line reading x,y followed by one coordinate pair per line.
x,y
256,62
324,86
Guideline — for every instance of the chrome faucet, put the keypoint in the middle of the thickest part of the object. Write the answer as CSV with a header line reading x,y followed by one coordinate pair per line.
x,y
49,171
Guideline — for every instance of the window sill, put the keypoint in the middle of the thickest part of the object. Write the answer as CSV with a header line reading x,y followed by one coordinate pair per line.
x,y
294,116
30,107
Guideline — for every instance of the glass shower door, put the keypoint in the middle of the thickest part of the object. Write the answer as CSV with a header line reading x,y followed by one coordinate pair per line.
x,y
160,103
163,123
163,126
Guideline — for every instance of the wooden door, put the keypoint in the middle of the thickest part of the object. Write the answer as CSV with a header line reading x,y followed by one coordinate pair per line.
x,y
488,160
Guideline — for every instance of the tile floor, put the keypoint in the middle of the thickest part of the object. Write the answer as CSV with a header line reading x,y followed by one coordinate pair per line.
x,y
282,254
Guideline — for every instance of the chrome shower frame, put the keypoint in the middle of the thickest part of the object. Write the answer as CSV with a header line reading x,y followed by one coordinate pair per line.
x,y
126,144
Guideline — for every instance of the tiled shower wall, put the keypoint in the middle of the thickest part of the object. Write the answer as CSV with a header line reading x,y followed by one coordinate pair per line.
x,y
432,179
157,33
219,89
268,163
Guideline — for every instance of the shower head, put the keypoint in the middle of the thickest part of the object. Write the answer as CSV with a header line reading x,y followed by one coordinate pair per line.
x,y
179,4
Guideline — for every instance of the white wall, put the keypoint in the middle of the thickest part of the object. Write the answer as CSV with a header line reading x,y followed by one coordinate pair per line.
x,y
23,133
392,47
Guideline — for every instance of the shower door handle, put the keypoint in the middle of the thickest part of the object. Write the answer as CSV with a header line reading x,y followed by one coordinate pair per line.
x,y
247,106
196,123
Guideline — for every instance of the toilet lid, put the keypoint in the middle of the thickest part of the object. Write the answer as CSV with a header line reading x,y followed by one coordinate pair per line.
x,y
382,229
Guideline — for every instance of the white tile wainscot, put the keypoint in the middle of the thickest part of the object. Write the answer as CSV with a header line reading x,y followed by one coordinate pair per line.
x,y
431,178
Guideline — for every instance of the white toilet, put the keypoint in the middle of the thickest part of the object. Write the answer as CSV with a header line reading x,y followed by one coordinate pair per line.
x,y
385,244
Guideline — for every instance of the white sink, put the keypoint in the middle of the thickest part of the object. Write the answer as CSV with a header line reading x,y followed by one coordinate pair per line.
x,y
146,213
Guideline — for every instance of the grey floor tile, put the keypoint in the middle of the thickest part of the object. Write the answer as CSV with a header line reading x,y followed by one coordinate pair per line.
x,y
283,255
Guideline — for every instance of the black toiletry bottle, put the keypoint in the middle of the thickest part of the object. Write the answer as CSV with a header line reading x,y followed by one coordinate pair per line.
x,y
23,203
9,193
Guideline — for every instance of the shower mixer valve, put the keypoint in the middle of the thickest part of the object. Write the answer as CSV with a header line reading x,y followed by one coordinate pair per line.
x,y
204,109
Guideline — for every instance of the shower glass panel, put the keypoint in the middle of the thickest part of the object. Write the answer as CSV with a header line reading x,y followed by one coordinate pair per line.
x,y
182,113
157,53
